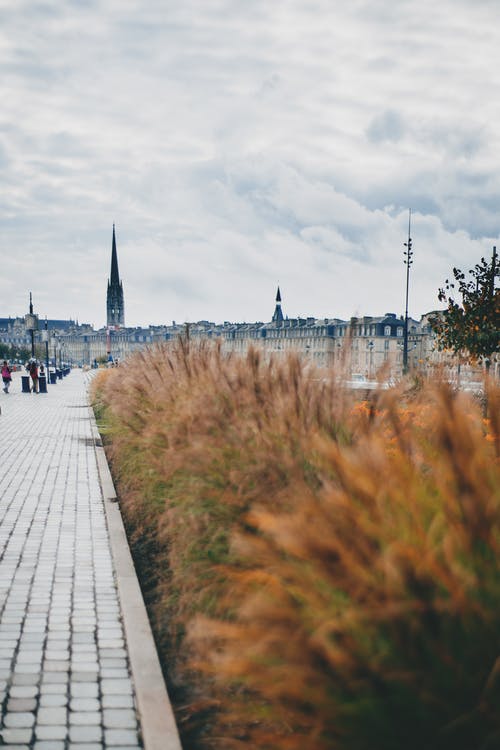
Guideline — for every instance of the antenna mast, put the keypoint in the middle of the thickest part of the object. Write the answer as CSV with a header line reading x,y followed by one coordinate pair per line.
x,y
408,260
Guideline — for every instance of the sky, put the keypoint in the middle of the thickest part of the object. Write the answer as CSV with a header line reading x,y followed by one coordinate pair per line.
x,y
241,144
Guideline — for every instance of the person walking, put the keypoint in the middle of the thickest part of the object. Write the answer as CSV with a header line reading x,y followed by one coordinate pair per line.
x,y
6,376
33,370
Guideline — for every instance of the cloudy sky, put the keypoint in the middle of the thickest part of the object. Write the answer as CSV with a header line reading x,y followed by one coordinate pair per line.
x,y
238,144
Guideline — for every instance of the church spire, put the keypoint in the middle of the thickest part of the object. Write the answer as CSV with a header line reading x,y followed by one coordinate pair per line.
x,y
115,308
115,277
278,315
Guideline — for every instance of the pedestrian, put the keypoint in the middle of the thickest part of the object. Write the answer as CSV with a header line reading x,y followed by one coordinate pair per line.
x,y
6,376
33,370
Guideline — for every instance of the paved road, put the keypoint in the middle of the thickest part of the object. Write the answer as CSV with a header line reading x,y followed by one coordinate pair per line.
x,y
67,677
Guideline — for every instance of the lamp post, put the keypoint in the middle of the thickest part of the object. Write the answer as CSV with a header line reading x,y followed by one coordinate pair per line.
x,y
32,329
54,341
31,323
408,253
45,338
370,348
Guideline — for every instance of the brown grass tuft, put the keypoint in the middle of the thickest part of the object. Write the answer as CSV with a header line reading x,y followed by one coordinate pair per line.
x,y
321,573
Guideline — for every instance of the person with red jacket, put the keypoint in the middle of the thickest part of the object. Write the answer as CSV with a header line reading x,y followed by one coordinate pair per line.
x,y
6,376
33,370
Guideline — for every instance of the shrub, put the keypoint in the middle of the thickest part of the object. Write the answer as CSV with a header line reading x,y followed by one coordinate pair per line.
x,y
334,565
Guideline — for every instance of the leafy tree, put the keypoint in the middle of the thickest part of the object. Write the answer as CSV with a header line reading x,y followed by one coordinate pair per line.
x,y
471,327
11,352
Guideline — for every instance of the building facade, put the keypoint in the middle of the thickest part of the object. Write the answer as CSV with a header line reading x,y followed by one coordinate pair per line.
x,y
363,347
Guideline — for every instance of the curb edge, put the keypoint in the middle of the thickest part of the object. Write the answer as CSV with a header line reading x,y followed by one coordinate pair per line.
x,y
156,717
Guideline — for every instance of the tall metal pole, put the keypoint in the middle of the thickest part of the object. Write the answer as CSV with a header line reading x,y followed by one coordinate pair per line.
x,y
54,340
32,332
47,348
408,260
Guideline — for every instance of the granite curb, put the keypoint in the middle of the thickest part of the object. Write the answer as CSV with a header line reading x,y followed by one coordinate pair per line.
x,y
159,730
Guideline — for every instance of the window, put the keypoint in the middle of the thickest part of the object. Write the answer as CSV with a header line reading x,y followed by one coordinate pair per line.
x,y
400,331
387,331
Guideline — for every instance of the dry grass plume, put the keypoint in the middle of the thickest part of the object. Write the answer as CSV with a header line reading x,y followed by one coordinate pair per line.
x,y
321,573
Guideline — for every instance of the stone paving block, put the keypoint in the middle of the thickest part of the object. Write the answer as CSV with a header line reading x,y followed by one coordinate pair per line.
x,y
84,690
48,700
82,718
116,687
23,691
118,701
115,737
84,651
54,677
25,679
16,737
56,732
111,663
57,665
51,715
87,733
19,720
54,688
56,655
21,704
29,657
114,718
27,669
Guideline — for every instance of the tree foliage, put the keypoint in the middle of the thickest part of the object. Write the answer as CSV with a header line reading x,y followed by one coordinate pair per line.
x,y
471,326
11,352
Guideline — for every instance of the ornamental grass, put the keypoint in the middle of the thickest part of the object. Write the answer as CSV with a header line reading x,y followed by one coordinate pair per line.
x,y
321,572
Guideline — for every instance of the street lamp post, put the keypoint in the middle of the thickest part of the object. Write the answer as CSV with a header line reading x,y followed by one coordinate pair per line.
x,y
408,253
31,323
54,340
370,348
32,330
45,334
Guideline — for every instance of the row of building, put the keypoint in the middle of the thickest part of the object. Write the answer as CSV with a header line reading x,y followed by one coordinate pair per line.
x,y
365,346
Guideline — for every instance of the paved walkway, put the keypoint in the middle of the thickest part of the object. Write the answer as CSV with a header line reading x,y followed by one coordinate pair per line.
x,y
78,669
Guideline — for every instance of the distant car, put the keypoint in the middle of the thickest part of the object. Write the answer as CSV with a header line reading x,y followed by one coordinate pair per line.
x,y
472,387
359,382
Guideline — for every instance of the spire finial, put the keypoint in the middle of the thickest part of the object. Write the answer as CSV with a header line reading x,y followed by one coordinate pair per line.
x,y
115,311
278,315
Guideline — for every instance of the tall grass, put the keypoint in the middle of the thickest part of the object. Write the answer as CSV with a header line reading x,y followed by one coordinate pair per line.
x,y
320,573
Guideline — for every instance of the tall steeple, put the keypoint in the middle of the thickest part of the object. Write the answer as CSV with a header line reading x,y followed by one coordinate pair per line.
x,y
278,315
115,308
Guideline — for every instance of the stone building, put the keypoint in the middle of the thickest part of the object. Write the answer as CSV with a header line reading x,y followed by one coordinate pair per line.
x,y
362,347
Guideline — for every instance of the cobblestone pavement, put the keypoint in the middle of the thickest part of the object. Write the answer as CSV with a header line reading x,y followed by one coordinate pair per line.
x,y
65,681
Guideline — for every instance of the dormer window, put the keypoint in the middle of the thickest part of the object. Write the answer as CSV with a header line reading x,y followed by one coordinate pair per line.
x,y
387,330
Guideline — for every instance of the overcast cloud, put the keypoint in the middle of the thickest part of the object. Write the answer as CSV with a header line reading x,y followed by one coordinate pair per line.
x,y
238,144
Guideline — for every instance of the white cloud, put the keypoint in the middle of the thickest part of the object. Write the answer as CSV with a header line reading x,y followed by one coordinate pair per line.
x,y
240,144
